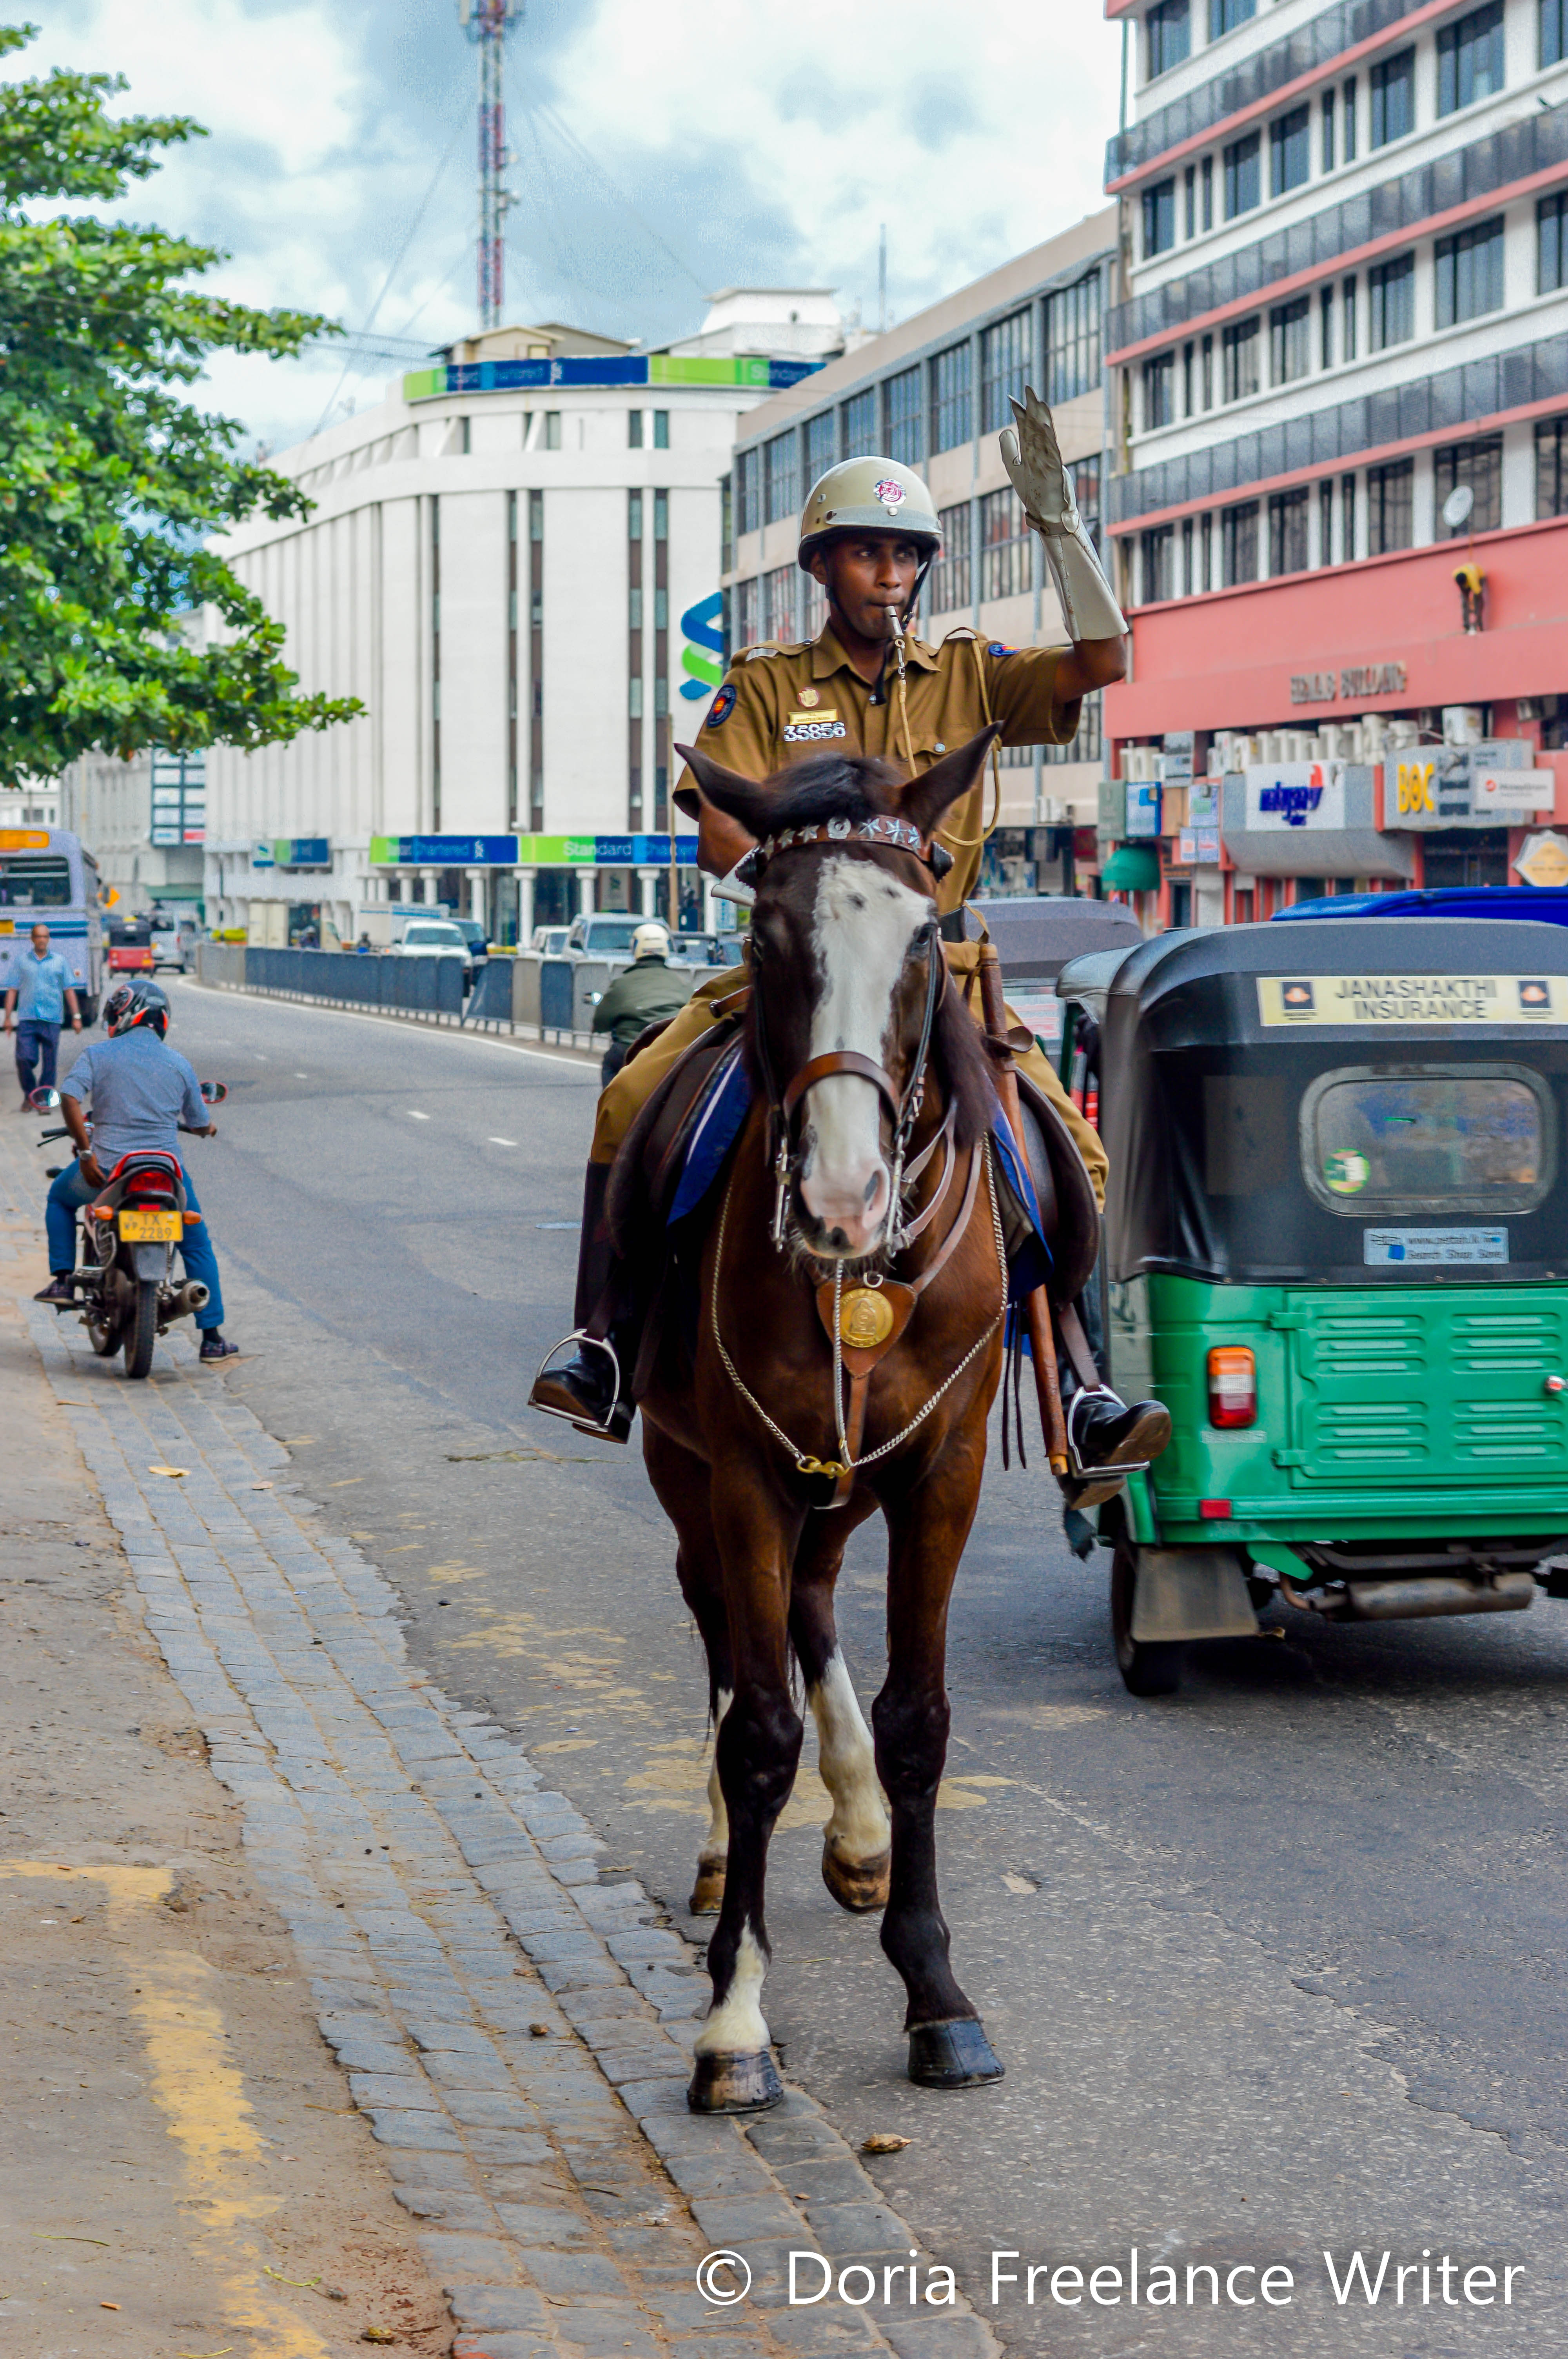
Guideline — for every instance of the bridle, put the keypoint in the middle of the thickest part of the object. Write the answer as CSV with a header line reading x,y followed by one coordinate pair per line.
x,y
904,1105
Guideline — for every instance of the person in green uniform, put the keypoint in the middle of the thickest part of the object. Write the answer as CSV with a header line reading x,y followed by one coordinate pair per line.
x,y
645,992
870,534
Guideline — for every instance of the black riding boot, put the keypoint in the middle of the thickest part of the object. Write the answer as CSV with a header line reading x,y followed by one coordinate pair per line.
x,y
1105,1438
585,1389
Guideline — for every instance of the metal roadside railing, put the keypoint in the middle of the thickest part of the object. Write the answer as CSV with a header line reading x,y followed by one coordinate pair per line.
x,y
550,1000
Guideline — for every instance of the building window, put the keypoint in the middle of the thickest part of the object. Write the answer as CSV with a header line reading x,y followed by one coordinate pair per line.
x,y
1005,366
1325,524
1288,513
1552,467
1208,372
1072,339
818,447
1159,391
1389,522
901,394
1243,175
1478,463
778,603
1159,564
1085,473
1159,218
1007,560
1349,114
661,430
1207,173
1390,302
552,429
952,574
1224,15
1348,517
1238,345
860,424
781,476
1328,131
1470,58
1325,328
952,404
1189,404
749,490
1289,340
634,430
746,614
1088,745
1553,31
1470,273
1552,232
1349,317
1239,526
1206,551
1393,98
1190,194
1170,34
1289,150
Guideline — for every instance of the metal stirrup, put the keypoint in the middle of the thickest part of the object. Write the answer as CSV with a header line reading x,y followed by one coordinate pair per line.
x,y
594,1342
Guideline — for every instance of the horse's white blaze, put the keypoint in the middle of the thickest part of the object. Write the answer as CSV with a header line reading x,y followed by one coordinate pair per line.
x,y
859,1828
865,924
716,1843
736,2026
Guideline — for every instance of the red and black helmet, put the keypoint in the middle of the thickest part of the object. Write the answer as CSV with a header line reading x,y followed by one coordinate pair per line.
x,y
130,1004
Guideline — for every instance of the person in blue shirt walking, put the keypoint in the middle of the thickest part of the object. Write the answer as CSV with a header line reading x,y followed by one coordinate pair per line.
x,y
140,1092
39,997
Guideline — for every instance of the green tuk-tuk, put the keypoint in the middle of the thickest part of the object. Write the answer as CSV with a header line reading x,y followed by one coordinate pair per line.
x,y
1337,1246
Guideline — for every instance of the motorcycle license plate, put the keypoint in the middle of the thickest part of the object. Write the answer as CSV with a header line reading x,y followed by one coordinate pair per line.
x,y
151,1228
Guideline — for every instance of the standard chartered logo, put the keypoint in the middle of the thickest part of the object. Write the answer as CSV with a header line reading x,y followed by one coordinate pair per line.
x,y
702,626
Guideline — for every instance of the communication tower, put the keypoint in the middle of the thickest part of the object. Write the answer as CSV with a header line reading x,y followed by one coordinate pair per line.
x,y
487,23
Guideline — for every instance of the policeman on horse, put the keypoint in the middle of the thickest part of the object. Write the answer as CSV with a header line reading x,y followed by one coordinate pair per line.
x,y
870,535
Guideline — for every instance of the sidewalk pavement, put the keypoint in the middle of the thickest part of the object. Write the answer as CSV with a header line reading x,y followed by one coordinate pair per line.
x,y
515,2032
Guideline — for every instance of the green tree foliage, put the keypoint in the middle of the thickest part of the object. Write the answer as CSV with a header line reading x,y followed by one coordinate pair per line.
x,y
111,477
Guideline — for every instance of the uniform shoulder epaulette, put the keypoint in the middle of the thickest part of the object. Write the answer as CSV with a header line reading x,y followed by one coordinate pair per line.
x,y
758,654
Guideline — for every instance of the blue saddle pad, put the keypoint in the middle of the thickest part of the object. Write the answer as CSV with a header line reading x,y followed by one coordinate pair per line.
x,y
725,1105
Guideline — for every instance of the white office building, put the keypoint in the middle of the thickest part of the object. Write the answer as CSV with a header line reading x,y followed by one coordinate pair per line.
x,y
512,560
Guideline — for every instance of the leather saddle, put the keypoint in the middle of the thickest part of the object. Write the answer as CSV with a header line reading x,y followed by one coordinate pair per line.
x,y
648,1168
1062,1189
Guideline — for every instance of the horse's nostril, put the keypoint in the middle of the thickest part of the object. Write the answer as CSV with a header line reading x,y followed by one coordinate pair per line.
x,y
873,1187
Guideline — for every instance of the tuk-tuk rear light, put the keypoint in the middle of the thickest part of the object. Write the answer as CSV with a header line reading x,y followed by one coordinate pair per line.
x,y
1232,1385
1214,1511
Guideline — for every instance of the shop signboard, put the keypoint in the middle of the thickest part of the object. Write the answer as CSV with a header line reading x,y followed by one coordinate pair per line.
x,y
1142,810
443,851
302,851
1308,819
262,856
1295,797
1543,859
1475,786
1198,847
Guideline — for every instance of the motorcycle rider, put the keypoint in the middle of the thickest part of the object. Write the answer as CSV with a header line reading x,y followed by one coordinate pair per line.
x,y
868,535
140,1091
646,992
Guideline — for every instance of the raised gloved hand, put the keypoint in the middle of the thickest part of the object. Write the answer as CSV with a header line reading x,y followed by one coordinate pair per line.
x,y
1033,457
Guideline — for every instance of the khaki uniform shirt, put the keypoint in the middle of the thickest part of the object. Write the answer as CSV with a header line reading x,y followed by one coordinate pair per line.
x,y
784,704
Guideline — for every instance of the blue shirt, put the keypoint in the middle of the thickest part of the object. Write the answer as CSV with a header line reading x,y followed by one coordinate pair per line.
x,y
140,1090
41,985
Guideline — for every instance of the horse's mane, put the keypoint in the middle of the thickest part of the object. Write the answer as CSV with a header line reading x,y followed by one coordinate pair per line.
x,y
833,785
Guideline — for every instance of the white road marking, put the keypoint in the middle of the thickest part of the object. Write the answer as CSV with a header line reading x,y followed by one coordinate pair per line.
x,y
417,1117
502,1142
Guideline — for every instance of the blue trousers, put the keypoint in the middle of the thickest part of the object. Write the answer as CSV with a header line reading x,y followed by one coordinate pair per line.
x,y
37,1044
70,1192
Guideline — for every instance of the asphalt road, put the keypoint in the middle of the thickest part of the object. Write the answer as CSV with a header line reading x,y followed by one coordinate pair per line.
x,y
1276,1966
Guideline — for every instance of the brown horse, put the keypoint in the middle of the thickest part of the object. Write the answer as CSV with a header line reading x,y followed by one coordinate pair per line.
x,y
861,1192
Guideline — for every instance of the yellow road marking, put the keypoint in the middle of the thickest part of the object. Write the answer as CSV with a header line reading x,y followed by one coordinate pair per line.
x,y
199,2090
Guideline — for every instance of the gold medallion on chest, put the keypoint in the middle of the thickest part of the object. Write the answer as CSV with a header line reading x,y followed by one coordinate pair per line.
x,y
865,1318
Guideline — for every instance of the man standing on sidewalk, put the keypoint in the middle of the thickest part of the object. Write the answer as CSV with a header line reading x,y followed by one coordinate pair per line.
x,y
39,998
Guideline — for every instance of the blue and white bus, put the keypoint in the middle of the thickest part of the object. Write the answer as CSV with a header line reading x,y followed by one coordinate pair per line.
x,y
47,876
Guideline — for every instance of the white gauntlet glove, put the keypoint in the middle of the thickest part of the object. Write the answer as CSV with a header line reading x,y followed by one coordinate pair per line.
x,y
1033,457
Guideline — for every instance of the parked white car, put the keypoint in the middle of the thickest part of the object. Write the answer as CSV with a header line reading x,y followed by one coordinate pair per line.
x,y
436,937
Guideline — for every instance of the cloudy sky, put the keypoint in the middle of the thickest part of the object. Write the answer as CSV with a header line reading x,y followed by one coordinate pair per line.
x,y
660,152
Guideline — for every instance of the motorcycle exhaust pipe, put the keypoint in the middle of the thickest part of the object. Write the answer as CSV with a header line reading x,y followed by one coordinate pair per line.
x,y
1406,1601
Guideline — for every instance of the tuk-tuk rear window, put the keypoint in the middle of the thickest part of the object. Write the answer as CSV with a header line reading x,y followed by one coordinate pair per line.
x,y
1414,1139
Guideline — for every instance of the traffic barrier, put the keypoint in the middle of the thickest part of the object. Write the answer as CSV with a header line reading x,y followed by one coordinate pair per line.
x,y
556,979
526,990
521,994
489,1002
222,963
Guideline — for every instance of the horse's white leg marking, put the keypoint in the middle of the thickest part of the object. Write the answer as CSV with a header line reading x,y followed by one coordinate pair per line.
x,y
865,922
736,2026
715,1843
859,1828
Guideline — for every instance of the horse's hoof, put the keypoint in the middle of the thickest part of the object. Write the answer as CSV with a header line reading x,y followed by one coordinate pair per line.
x,y
734,2084
955,2055
858,1884
707,1892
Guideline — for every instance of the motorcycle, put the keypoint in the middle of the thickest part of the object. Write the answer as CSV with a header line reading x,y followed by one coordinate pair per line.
x,y
130,1234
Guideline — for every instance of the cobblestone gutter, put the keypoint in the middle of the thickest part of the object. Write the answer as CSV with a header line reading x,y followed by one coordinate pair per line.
x,y
516,2032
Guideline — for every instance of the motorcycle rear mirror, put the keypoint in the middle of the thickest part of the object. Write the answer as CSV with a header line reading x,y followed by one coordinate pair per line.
x,y
43,1101
214,1093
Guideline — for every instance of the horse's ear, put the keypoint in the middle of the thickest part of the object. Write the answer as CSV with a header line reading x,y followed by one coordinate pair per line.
x,y
738,798
927,797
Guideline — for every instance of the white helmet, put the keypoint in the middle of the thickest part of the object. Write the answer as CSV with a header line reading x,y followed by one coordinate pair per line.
x,y
651,940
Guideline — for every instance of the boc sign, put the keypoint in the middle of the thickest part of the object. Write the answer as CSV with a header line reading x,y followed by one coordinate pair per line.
x,y
1453,788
